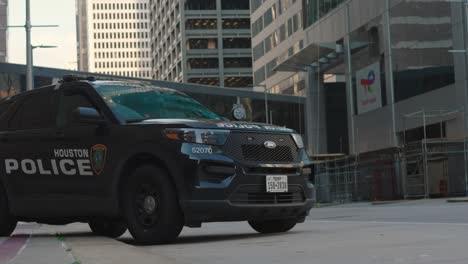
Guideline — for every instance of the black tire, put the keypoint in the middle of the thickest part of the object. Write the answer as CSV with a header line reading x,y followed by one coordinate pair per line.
x,y
273,226
151,206
7,222
112,229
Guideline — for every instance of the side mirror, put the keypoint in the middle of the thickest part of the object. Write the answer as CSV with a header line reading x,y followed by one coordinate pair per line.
x,y
88,115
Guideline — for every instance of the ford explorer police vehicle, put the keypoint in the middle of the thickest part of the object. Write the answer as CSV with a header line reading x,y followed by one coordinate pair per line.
x,y
151,160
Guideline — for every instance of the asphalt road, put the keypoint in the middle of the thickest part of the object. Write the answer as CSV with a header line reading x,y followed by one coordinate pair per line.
x,y
425,231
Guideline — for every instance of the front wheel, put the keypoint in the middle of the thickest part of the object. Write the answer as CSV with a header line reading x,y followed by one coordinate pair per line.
x,y
273,226
112,229
151,206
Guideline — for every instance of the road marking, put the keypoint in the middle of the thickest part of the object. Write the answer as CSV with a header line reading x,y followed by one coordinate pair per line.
x,y
386,222
12,247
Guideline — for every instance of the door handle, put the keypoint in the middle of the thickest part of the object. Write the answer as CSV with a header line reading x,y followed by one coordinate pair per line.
x,y
59,135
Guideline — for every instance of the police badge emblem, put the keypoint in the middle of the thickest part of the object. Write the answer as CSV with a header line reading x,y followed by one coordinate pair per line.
x,y
98,158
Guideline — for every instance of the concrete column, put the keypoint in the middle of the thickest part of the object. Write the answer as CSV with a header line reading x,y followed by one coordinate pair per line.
x,y
349,87
184,63
315,125
389,71
310,111
220,43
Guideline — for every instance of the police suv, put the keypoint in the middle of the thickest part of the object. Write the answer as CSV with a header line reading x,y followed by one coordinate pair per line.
x,y
151,160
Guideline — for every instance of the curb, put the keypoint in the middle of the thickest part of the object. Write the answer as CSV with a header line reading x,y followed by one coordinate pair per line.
x,y
458,200
386,202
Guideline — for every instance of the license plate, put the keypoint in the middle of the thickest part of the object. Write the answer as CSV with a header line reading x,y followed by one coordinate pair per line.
x,y
276,184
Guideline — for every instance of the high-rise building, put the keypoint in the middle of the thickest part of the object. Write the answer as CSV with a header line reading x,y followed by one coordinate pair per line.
x,y
3,32
202,41
277,33
113,37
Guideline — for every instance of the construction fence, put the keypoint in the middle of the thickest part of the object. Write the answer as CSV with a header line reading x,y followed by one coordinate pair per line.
x,y
423,169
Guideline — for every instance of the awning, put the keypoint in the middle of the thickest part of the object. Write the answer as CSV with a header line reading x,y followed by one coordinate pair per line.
x,y
311,54
305,57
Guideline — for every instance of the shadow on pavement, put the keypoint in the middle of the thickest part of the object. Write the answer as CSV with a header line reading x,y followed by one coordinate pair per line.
x,y
194,239
64,234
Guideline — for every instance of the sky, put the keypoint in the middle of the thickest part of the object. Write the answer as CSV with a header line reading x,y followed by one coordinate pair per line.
x,y
44,12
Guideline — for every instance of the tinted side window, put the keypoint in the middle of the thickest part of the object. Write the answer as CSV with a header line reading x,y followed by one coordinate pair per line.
x,y
67,104
4,107
36,111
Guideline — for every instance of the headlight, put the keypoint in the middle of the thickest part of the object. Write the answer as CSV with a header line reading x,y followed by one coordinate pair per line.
x,y
198,136
298,139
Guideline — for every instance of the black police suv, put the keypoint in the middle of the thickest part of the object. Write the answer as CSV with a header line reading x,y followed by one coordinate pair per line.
x,y
122,155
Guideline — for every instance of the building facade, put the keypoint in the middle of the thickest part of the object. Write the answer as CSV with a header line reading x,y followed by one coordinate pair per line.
x,y
201,41
277,33
3,32
113,37
401,75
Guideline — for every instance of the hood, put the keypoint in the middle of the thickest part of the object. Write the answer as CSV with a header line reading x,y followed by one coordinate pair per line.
x,y
219,124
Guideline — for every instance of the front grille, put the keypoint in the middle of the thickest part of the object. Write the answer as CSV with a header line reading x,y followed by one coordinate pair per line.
x,y
271,171
249,147
257,195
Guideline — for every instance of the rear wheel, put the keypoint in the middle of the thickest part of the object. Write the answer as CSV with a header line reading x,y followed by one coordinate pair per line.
x,y
112,229
151,206
7,222
273,226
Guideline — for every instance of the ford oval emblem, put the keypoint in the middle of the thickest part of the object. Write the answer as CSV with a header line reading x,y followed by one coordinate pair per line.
x,y
270,144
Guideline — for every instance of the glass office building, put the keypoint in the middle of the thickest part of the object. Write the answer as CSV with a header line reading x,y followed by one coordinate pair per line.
x,y
395,58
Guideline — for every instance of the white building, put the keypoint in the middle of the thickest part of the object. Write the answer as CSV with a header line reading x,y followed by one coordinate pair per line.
x,y
202,41
113,37
3,32
277,34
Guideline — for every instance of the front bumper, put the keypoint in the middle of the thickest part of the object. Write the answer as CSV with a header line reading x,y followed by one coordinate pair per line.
x,y
199,211
222,190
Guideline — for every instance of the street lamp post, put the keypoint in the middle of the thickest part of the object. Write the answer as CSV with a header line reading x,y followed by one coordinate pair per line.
x,y
28,26
29,65
265,89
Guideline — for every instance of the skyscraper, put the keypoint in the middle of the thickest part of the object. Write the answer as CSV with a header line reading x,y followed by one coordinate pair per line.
x,y
202,41
113,37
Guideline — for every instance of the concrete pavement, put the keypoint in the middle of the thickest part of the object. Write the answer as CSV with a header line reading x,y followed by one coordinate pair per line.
x,y
424,231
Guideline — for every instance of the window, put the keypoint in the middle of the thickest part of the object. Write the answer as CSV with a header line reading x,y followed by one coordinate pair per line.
x,y
207,63
315,9
237,43
4,107
282,33
145,102
201,24
235,5
269,16
28,116
255,4
68,102
258,51
257,26
237,62
259,75
269,68
200,5
202,44
236,23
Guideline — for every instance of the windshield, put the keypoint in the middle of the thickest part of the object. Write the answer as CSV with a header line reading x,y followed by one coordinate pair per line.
x,y
139,102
